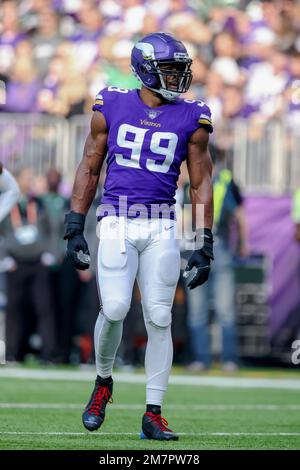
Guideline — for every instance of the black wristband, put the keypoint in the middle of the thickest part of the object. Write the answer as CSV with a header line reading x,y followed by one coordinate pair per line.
x,y
206,239
75,218
208,236
75,224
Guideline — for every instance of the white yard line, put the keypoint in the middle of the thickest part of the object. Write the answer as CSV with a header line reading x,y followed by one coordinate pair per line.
x,y
99,434
136,406
83,376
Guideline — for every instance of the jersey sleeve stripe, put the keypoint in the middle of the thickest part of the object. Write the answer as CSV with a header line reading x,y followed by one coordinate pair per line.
x,y
205,121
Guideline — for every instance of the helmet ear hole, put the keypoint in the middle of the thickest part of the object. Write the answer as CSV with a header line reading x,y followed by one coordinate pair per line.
x,y
144,69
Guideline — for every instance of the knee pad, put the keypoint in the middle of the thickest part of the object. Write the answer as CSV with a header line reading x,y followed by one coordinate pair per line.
x,y
115,310
160,317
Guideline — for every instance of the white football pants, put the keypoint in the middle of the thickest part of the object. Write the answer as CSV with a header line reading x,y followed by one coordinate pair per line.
x,y
147,250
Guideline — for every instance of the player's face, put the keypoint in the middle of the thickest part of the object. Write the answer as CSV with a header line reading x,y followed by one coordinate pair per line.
x,y
172,81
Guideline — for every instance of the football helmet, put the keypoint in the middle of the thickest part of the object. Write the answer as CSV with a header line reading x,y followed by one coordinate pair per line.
x,y
162,64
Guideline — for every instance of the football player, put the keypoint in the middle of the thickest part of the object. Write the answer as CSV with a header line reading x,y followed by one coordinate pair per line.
x,y
9,192
144,135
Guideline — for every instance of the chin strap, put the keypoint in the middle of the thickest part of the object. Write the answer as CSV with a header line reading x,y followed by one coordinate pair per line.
x,y
168,95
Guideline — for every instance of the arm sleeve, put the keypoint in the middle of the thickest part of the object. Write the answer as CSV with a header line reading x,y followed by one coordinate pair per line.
x,y
10,193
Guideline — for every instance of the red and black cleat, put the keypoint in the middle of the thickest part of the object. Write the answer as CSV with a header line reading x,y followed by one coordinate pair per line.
x,y
154,427
94,412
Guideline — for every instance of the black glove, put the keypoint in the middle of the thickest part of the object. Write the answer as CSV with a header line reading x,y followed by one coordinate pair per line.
x,y
200,259
77,248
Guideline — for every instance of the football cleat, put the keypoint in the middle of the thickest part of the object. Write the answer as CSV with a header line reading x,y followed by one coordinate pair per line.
x,y
155,427
94,412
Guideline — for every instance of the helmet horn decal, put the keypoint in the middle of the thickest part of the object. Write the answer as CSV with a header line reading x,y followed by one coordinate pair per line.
x,y
162,64
147,50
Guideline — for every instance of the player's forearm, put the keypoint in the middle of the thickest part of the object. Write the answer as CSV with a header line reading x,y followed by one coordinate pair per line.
x,y
87,174
200,172
202,204
84,189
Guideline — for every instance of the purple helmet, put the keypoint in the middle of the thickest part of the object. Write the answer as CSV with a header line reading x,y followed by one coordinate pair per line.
x,y
162,64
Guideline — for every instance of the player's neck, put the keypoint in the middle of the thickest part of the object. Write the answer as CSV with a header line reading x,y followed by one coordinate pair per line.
x,y
151,99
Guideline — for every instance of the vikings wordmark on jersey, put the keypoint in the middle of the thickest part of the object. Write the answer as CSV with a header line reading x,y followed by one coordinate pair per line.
x,y
146,145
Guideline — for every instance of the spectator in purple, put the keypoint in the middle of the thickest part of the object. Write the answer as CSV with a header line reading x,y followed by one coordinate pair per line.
x,y
234,105
252,32
64,89
213,94
89,31
24,85
133,14
10,34
46,39
55,75
186,26
176,7
150,24
283,17
267,81
200,71
294,64
90,22
226,49
291,105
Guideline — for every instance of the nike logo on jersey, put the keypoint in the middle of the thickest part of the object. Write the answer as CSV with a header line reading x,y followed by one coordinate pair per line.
x,y
169,228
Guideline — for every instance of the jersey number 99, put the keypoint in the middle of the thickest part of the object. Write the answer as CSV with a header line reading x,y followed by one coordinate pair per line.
x,y
135,145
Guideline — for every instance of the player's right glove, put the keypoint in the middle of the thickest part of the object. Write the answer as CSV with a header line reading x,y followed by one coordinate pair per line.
x,y
200,260
77,248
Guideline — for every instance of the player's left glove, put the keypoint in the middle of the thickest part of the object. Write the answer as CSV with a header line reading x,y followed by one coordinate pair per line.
x,y
201,260
77,248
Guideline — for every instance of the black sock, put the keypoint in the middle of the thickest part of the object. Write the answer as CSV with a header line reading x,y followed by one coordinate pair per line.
x,y
102,381
155,409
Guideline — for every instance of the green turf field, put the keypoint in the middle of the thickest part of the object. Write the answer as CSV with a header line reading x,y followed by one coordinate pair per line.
x,y
46,414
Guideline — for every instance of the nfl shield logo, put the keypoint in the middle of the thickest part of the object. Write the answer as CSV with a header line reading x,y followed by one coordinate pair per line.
x,y
152,114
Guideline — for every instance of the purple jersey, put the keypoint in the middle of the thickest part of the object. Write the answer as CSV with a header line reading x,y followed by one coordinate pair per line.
x,y
146,146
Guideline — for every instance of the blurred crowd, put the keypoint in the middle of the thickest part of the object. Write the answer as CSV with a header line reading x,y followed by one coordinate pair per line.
x,y
50,307
55,55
